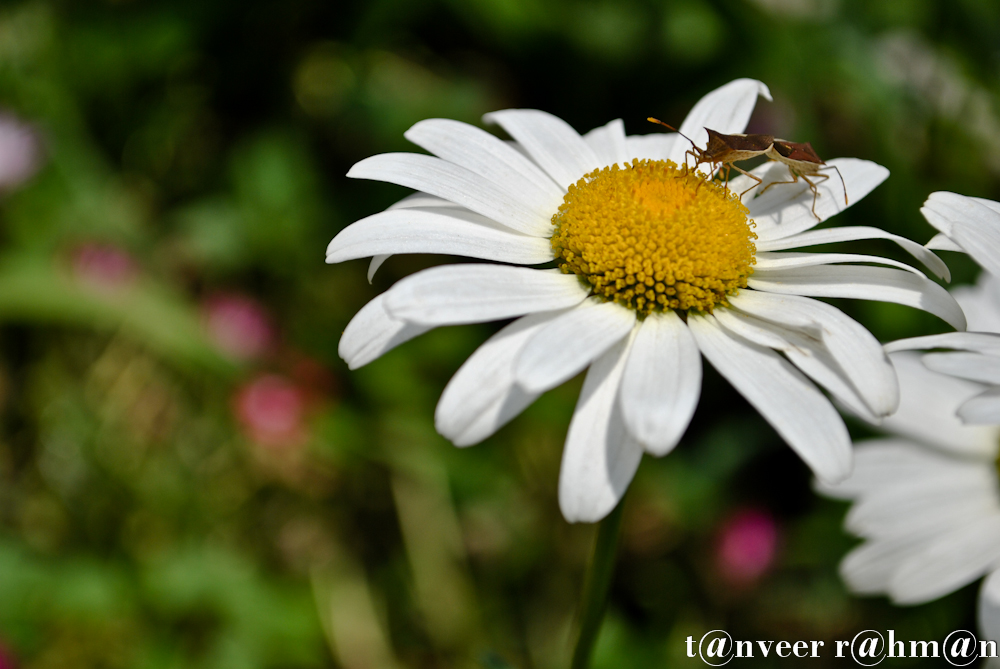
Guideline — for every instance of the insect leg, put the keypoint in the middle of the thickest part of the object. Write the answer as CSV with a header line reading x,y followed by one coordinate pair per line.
x,y
690,152
795,179
815,191
841,181
752,176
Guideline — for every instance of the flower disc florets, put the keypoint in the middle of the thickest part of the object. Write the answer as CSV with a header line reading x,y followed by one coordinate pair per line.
x,y
652,236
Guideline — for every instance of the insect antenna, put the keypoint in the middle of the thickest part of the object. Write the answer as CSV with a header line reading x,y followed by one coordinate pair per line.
x,y
690,151
670,127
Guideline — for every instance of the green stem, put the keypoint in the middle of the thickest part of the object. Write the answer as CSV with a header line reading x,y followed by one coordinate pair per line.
x,y
596,585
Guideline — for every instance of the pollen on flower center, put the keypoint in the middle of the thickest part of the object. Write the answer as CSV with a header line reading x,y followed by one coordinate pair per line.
x,y
653,236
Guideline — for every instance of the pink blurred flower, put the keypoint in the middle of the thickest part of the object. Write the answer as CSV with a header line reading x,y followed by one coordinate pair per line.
x,y
7,658
747,546
20,152
271,409
103,265
238,325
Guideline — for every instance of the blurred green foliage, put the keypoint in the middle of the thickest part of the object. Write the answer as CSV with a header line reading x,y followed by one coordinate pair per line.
x,y
199,147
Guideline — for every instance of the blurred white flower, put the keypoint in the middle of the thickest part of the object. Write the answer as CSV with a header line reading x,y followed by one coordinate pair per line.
x,y
927,500
658,267
20,152
967,224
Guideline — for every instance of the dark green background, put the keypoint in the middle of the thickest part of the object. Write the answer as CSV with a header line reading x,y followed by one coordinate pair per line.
x,y
210,140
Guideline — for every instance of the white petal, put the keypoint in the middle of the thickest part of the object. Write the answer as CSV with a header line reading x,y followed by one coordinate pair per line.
x,y
954,560
600,457
482,396
781,309
981,303
928,406
655,146
424,200
786,209
860,480
989,607
916,514
983,409
454,294
608,143
662,382
752,329
908,498
447,231
373,332
793,259
418,201
504,409
981,239
943,242
568,343
793,406
865,283
983,342
972,223
854,233
449,181
859,356
376,262
806,353
550,141
726,109
868,569
970,366
887,471
488,156
991,204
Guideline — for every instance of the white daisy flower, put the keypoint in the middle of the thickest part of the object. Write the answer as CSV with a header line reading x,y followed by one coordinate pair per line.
x,y
927,501
654,267
967,224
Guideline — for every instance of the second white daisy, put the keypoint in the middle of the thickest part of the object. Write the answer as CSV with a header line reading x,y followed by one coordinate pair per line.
x,y
927,499
655,268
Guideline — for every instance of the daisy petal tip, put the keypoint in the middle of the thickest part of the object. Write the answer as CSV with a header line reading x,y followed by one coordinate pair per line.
x,y
493,117
901,596
358,168
374,265
352,357
852,576
659,448
417,127
834,473
763,91
458,438
748,84
577,510
896,346
332,255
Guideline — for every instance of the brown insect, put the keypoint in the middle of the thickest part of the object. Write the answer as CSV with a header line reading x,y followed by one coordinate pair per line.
x,y
802,162
725,150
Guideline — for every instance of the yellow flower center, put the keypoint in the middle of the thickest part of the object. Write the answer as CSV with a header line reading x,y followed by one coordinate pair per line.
x,y
653,236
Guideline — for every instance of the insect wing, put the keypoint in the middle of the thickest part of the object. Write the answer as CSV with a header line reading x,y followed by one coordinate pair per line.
x,y
755,143
801,151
